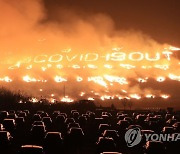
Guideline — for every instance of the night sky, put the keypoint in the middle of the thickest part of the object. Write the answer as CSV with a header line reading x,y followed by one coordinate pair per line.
x,y
157,18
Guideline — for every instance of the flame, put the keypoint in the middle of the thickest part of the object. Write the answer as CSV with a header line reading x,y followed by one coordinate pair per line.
x,y
106,97
124,91
82,94
29,67
52,95
99,80
150,96
17,65
6,79
67,50
174,77
90,99
52,100
108,66
33,100
43,68
165,96
76,66
105,77
136,96
167,53
120,97
174,48
120,80
146,67
127,66
127,98
163,67
27,78
131,56
67,99
141,80
97,94
59,79
79,79
59,66
160,79
92,66
117,49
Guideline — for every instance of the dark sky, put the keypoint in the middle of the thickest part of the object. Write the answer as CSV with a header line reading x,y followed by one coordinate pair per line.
x,y
159,19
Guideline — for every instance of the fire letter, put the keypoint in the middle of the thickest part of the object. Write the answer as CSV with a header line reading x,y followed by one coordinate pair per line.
x,y
167,54
91,57
152,59
40,59
118,56
55,58
141,56
71,58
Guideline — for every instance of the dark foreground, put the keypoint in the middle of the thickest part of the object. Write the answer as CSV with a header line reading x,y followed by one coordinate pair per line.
x,y
83,131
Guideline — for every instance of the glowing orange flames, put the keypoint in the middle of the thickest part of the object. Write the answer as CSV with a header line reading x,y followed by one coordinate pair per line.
x,y
67,99
113,71
29,79
60,79
6,79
